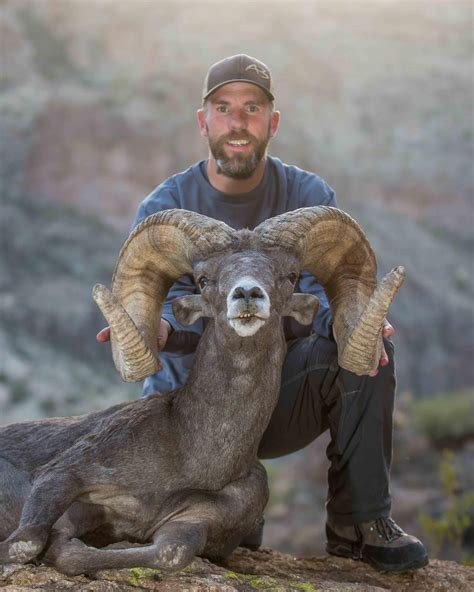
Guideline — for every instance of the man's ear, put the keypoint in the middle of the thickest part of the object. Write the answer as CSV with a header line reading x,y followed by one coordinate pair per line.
x,y
275,123
302,307
201,118
188,309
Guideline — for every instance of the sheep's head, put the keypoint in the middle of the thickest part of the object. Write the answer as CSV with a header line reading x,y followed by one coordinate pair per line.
x,y
245,289
243,273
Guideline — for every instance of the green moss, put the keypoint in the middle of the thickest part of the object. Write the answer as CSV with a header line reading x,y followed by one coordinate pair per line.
x,y
263,583
304,586
230,575
140,573
267,583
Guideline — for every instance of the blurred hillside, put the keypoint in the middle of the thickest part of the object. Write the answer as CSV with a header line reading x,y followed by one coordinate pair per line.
x,y
97,106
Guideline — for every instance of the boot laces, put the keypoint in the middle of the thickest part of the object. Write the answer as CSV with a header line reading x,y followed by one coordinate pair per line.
x,y
388,529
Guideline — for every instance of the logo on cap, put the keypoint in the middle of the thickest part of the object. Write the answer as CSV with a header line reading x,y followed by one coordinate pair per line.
x,y
259,71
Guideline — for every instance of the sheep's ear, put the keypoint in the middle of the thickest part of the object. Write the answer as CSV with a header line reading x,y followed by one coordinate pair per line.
x,y
303,308
188,309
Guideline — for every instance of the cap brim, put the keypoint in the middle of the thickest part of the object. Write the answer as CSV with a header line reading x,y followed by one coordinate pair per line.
x,y
217,86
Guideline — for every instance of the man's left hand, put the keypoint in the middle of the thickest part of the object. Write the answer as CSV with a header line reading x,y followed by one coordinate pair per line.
x,y
387,331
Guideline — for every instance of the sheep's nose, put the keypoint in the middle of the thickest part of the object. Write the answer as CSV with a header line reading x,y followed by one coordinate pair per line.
x,y
247,293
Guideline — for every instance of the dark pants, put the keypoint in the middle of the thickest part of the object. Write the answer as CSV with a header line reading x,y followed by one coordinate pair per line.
x,y
316,394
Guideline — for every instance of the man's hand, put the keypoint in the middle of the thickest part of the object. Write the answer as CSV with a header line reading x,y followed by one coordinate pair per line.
x,y
387,331
164,331
103,335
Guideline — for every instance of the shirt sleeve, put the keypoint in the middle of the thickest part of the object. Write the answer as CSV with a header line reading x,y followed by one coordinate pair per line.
x,y
316,192
162,198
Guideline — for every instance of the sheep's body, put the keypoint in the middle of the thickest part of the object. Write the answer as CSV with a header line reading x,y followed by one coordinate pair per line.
x,y
127,472
176,469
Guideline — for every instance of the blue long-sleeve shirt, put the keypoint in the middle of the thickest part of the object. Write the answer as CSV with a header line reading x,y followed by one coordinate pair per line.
x,y
283,188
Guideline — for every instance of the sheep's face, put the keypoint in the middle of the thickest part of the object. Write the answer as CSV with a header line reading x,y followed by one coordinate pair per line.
x,y
244,290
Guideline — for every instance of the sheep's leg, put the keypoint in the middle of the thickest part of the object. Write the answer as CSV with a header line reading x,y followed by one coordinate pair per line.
x,y
209,524
14,489
235,513
174,546
49,498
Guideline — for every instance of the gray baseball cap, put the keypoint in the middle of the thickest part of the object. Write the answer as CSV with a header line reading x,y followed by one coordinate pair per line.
x,y
238,68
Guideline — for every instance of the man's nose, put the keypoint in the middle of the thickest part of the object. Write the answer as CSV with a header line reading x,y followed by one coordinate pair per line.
x,y
238,121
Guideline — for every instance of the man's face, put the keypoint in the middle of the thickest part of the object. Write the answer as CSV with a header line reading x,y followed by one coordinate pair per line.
x,y
238,122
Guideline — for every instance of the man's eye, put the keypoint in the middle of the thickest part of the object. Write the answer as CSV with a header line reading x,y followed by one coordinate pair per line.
x,y
252,108
202,282
222,109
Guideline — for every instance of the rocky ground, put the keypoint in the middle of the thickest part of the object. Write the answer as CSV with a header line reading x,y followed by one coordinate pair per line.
x,y
245,572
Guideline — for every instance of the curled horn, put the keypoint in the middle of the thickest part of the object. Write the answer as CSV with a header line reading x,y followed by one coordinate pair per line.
x,y
332,247
160,250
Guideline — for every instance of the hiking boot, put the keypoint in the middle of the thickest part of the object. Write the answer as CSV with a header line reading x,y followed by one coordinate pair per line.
x,y
253,540
382,543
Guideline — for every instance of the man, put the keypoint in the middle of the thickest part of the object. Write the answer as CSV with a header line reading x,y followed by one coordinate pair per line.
x,y
242,186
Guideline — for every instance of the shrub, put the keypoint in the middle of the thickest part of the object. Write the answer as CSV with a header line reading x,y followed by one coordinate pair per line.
x,y
446,420
446,532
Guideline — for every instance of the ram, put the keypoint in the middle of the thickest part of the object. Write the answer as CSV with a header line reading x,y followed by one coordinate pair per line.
x,y
157,481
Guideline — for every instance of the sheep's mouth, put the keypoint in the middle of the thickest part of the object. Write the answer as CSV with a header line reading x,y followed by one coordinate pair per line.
x,y
246,324
246,317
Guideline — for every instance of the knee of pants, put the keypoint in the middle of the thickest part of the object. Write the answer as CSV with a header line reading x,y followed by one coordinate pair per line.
x,y
324,351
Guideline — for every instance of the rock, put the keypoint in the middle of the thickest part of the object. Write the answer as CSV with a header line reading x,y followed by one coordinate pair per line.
x,y
245,571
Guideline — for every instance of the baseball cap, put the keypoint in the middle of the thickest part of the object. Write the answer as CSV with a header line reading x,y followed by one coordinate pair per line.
x,y
238,68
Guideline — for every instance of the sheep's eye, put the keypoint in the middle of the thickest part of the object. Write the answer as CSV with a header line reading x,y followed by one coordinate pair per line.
x,y
202,282
293,277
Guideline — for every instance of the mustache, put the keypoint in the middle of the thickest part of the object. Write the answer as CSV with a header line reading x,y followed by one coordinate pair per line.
x,y
236,137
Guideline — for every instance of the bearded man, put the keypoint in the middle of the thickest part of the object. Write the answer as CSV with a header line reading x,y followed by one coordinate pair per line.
x,y
242,185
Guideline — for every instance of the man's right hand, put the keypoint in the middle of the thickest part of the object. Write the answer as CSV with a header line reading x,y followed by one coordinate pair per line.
x,y
164,331
103,335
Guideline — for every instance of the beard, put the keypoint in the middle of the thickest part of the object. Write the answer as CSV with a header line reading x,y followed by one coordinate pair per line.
x,y
238,166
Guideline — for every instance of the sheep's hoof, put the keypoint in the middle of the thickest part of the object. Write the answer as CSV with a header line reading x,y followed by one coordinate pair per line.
x,y
174,556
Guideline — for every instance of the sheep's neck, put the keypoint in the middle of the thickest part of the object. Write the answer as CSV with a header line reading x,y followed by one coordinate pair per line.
x,y
233,388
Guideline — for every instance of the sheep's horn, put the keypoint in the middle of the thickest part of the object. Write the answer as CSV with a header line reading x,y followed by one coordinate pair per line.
x,y
332,247
160,250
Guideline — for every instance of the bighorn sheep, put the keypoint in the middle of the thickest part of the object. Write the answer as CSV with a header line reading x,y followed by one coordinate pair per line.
x,y
177,475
